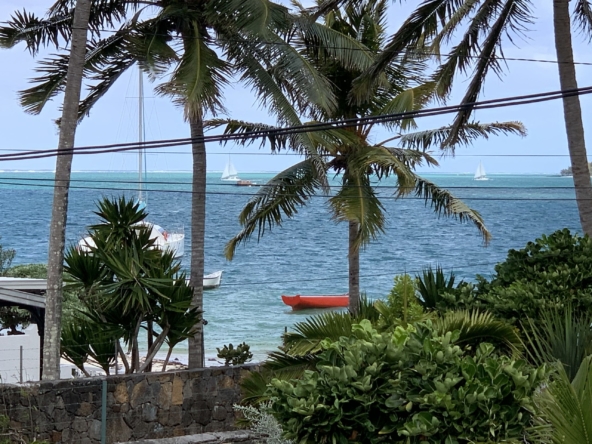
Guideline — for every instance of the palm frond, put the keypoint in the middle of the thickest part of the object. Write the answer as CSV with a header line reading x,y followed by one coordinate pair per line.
x,y
445,204
476,327
357,202
197,81
583,16
512,16
411,99
421,26
347,51
34,31
567,405
280,197
466,135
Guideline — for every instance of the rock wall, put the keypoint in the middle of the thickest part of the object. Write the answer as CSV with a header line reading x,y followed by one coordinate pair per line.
x,y
140,406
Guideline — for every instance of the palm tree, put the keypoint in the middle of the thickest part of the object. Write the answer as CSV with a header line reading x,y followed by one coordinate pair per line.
x,y
57,231
484,24
350,152
203,44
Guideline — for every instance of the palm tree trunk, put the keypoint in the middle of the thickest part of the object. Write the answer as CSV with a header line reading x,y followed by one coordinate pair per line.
x,y
59,212
354,269
198,229
573,113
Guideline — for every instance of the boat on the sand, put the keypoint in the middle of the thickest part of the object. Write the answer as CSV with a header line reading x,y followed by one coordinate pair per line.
x,y
299,301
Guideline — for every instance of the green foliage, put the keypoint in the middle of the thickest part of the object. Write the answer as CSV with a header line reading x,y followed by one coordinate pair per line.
x,y
431,286
6,257
123,282
563,336
12,317
261,421
235,356
548,273
411,385
567,405
402,305
30,271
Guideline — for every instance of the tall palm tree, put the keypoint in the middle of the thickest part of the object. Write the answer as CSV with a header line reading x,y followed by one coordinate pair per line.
x,y
57,231
351,152
203,44
483,25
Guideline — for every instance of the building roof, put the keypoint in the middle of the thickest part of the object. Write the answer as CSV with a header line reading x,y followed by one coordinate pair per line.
x,y
22,292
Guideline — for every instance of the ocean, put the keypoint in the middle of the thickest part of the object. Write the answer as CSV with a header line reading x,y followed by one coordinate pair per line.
x,y
306,255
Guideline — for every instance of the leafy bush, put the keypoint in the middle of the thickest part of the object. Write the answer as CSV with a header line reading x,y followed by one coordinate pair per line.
x,y
261,421
547,274
235,356
411,385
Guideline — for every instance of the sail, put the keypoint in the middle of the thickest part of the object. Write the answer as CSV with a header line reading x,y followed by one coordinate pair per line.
x,y
229,172
480,173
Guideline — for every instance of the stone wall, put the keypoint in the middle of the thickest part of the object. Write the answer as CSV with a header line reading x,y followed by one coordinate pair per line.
x,y
140,406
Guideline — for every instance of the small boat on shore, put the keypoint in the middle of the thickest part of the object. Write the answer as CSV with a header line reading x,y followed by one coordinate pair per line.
x,y
298,302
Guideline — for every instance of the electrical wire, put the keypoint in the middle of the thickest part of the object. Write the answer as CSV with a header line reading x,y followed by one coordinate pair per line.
x,y
220,193
312,127
188,183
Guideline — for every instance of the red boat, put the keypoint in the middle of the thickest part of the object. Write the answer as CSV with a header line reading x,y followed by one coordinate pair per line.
x,y
299,302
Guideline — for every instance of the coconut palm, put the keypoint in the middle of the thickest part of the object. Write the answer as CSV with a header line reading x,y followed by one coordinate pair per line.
x,y
203,44
474,30
350,152
57,230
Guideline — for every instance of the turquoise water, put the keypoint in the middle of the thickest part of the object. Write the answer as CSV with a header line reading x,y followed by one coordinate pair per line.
x,y
308,254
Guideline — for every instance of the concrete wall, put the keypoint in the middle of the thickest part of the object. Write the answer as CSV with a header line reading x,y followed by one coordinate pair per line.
x,y
140,406
10,356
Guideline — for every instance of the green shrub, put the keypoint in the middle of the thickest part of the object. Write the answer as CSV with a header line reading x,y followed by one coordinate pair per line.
x,y
546,274
409,386
235,356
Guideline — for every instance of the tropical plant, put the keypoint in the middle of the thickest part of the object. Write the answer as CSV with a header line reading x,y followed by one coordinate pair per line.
x,y
402,306
350,152
125,284
235,356
567,405
262,422
473,32
560,335
366,389
201,45
431,286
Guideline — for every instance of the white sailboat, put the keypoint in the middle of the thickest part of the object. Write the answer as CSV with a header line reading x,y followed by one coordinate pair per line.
x,y
230,174
173,241
480,173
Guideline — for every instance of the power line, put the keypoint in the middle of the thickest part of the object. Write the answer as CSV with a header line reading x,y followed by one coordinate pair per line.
x,y
188,183
312,127
219,193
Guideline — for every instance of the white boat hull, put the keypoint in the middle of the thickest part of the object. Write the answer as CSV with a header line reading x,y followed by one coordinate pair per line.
x,y
172,242
212,280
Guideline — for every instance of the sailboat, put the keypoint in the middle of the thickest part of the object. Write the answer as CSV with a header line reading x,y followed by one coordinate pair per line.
x,y
230,174
166,240
480,173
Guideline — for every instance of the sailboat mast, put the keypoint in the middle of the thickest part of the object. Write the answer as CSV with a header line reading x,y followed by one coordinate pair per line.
x,y
140,135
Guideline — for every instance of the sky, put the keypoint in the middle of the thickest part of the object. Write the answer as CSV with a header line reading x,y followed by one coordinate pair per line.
x,y
114,118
